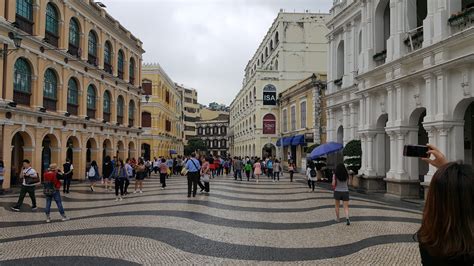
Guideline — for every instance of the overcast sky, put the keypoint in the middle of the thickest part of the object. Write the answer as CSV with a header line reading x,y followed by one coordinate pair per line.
x,y
204,44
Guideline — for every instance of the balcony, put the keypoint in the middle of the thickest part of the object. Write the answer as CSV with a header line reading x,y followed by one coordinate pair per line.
x,y
380,57
120,74
414,40
132,80
338,82
49,104
91,113
22,98
106,117
107,68
24,24
51,38
74,50
462,20
130,122
92,59
120,120
73,109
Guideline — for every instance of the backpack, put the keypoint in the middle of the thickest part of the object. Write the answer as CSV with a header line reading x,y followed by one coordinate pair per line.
x,y
312,173
48,188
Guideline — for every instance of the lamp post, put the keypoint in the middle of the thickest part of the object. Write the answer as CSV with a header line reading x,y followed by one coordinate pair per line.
x,y
319,86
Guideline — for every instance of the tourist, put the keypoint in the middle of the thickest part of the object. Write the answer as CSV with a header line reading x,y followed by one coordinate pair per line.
x,y
156,165
179,165
205,174
120,174
226,167
29,179
141,172
2,170
107,171
248,169
129,169
193,167
311,175
52,185
163,172
446,236
291,169
67,169
212,166
257,169
93,174
149,167
341,190
269,166
169,163
237,168
276,171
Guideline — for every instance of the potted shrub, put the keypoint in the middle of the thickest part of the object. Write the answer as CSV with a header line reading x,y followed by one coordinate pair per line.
x,y
352,155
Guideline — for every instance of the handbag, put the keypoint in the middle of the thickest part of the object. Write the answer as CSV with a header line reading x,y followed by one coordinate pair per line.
x,y
205,178
48,189
184,171
30,180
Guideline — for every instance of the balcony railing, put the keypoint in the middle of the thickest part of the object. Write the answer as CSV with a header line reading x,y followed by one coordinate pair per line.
x,y
91,113
120,74
51,38
380,57
49,104
74,50
130,122
22,98
462,19
338,82
92,59
414,39
120,119
24,24
132,80
73,109
107,117
107,68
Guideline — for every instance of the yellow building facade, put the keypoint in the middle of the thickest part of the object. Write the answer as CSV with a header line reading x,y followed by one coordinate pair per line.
x,y
70,90
162,114
302,119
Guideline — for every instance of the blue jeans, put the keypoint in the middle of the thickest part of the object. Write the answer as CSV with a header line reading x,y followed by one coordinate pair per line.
x,y
57,198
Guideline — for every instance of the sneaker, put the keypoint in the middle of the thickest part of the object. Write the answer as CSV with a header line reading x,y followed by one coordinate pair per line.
x,y
348,222
141,192
336,220
15,209
116,199
65,219
162,188
48,220
120,199
34,208
135,192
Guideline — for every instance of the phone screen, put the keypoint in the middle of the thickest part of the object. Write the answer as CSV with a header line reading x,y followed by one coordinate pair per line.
x,y
416,151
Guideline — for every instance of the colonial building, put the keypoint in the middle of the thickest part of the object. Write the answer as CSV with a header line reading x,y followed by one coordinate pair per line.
x,y
162,114
70,89
212,129
401,72
292,50
302,119
191,111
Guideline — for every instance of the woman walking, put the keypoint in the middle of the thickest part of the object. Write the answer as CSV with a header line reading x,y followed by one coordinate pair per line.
x,y
120,174
93,174
311,175
446,235
141,172
51,187
107,170
257,169
276,171
341,190
163,172
205,175
248,169
291,169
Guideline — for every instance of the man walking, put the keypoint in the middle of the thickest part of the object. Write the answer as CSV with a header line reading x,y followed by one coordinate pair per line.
x,y
68,168
29,179
194,167
237,168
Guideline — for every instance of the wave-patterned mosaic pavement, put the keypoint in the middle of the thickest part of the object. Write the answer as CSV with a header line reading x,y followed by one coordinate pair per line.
x,y
240,222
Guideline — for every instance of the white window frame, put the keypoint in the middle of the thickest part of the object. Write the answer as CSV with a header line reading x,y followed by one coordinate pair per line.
x,y
293,125
305,114
285,119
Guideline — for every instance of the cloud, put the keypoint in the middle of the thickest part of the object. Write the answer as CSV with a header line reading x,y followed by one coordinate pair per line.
x,y
204,44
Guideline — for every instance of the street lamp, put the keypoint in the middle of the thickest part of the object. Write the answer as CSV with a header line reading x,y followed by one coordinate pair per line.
x,y
147,98
16,41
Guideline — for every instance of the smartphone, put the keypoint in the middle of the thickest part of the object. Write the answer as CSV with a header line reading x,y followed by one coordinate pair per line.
x,y
416,151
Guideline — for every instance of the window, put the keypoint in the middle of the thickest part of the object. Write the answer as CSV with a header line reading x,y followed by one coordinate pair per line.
x,y
340,62
269,124
120,108
52,25
50,89
285,120
24,15
215,143
266,52
167,97
277,38
22,82
74,38
168,125
223,129
108,57
92,49
293,117
106,112
131,113
120,64
271,45
72,97
382,30
303,114
131,70
147,87
91,101
146,119
223,143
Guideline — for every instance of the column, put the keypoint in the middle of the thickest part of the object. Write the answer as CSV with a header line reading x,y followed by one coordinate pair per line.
x,y
442,11
370,154
368,110
400,169
345,124
363,167
353,130
432,139
393,156
430,90
442,95
399,104
390,105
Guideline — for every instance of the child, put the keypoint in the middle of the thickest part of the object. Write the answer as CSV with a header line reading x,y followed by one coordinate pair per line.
x,y
248,169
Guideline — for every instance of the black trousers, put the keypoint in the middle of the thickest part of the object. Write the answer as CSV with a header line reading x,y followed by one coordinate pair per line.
x,y
311,184
31,192
127,183
119,185
276,175
291,176
247,173
193,182
66,183
163,179
206,187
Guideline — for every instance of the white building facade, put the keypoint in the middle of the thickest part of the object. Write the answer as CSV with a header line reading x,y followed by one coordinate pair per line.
x,y
293,49
401,72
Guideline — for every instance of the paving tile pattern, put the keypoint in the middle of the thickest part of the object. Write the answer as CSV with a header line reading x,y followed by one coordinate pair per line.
x,y
240,222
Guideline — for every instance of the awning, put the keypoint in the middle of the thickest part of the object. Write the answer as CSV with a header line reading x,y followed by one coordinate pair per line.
x,y
297,140
278,144
173,152
287,141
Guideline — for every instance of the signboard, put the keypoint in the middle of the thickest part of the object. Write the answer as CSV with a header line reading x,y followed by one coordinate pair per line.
x,y
269,95
269,124
309,137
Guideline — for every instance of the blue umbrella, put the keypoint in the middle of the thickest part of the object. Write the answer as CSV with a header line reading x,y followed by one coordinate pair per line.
x,y
325,149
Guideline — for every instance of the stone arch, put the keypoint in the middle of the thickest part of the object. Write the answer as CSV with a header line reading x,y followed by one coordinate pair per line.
x,y
107,148
92,150
73,149
382,29
132,152
340,134
22,147
121,150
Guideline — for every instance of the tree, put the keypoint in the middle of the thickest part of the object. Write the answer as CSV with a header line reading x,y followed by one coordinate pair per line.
x,y
352,155
194,145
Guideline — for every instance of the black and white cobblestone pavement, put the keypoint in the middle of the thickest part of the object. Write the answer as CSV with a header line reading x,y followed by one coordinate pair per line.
x,y
240,222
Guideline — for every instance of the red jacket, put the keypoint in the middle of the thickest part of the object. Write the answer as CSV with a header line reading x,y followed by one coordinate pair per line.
x,y
52,176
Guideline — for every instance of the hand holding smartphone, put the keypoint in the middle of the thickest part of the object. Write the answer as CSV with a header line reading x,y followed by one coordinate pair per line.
x,y
419,151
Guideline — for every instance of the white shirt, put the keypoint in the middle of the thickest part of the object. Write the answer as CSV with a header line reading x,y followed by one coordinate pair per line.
x,y
30,172
156,163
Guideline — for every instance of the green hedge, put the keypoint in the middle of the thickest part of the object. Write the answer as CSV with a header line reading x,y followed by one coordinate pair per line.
x,y
352,155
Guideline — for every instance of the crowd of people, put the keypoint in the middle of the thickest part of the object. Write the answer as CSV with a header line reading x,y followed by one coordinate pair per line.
x,y
446,236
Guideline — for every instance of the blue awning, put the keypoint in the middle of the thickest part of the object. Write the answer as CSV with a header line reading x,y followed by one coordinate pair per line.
x,y
278,142
287,141
173,152
298,140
